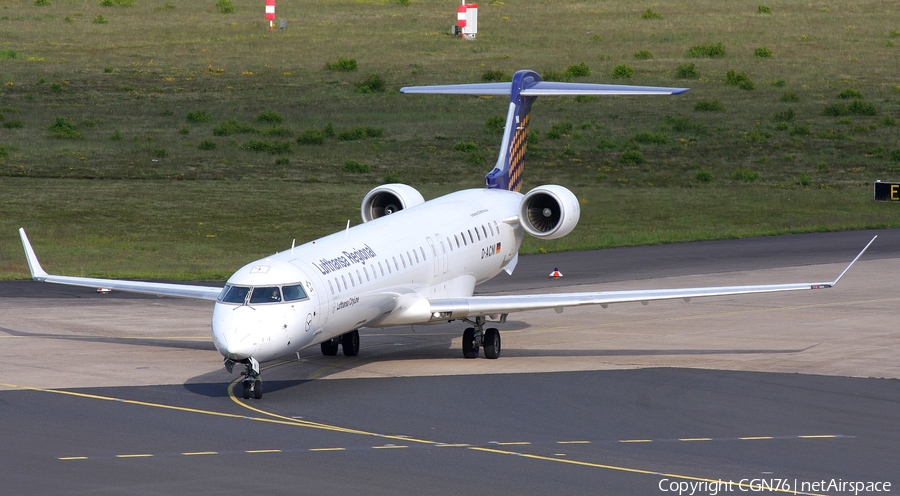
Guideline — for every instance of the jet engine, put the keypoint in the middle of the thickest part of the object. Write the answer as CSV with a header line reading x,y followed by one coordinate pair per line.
x,y
387,199
549,212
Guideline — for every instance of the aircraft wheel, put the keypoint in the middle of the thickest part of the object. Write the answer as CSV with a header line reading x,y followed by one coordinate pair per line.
x,y
491,343
257,389
468,343
350,343
330,347
245,384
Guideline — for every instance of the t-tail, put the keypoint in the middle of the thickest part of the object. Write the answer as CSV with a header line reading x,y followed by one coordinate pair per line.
x,y
525,87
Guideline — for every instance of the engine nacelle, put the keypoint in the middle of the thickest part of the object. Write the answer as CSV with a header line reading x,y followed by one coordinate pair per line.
x,y
387,199
549,212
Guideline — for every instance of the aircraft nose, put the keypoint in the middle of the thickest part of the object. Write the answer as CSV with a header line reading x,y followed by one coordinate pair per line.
x,y
235,343
233,338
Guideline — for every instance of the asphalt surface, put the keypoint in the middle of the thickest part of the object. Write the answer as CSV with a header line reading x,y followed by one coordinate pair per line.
x,y
124,394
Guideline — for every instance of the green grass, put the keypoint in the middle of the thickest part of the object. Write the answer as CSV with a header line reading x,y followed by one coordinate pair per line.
x,y
269,125
207,229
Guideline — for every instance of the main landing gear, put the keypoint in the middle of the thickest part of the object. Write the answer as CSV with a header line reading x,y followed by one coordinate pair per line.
x,y
251,383
479,337
349,342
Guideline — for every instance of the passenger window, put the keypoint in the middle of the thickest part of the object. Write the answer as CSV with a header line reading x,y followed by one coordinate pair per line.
x,y
344,280
396,265
471,238
358,276
381,267
424,258
330,287
484,231
455,237
417,255
478,234
235,294
265,295
294,292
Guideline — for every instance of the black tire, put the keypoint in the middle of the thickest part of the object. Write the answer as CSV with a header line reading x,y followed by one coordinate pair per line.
x,y
330,347
245,384
350,343
257,389
492,343
468,343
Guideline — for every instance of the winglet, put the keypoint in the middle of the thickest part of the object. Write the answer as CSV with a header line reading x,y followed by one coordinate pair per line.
x,y
37,272
854,261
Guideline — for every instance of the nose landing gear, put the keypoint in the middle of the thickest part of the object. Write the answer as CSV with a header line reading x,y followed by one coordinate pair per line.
x,y
251,384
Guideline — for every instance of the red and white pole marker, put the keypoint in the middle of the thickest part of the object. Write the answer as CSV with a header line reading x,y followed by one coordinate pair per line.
x,y
461,18
556,272
270,12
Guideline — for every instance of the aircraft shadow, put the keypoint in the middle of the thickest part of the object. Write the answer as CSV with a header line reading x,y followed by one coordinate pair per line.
x,y
421,345
220,389
398,345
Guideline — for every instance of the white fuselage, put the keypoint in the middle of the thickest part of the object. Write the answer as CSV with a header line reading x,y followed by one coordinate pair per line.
x,y
372,275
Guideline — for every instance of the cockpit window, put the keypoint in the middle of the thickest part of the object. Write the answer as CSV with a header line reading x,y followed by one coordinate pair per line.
x,y
265,295
234,294
293,293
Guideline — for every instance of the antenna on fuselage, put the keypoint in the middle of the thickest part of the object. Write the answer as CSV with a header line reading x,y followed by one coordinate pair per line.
x,y
348,228
293,243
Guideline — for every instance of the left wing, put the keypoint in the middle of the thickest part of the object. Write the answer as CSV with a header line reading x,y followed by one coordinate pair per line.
x,y
154,288
476,306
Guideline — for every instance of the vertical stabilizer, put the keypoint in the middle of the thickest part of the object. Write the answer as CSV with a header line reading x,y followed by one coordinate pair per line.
x,y
507,173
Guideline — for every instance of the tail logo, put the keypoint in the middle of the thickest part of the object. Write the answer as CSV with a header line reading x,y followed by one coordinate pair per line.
x,y
517,155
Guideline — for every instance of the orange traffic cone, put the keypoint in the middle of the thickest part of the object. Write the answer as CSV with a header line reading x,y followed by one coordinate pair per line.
x,y
556,272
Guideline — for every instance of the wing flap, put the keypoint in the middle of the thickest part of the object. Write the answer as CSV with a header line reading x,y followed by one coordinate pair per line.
x,y
488,305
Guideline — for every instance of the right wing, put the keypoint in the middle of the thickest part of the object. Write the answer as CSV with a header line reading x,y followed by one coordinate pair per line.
x,y
154,288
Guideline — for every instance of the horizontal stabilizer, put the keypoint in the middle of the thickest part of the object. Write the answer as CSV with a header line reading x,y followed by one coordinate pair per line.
x,y
543,88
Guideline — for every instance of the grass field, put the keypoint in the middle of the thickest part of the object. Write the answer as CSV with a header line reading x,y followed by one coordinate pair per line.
x,y
173,139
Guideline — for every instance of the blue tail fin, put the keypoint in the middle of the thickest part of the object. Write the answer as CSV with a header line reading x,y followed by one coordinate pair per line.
x,y
507,173
526,86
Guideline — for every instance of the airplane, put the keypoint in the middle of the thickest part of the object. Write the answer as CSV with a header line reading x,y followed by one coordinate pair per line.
x,y
411,261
